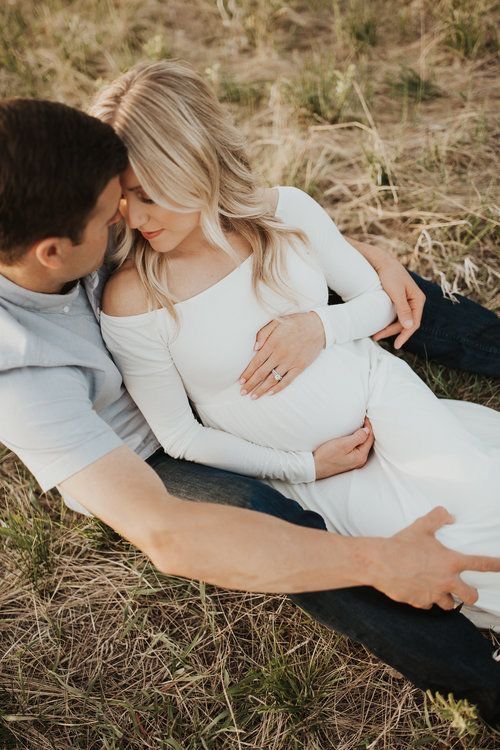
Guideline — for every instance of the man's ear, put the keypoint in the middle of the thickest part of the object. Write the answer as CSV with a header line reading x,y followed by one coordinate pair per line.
x,y
51,251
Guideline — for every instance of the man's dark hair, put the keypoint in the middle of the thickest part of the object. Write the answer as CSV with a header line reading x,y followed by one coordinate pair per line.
x,y
55,161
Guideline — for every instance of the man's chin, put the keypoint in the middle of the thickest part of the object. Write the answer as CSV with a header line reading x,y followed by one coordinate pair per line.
x,y
95,267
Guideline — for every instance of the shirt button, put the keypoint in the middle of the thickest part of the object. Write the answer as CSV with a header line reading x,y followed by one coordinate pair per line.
x,y
66,308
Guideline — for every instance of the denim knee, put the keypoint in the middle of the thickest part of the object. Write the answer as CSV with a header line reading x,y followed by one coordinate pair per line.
x,y
192,481
463,334
265,499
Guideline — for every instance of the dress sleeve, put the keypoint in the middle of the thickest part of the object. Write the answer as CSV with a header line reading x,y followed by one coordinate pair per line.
x,y
366,308
152,379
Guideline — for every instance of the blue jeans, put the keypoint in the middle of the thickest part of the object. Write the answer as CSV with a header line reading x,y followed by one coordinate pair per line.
x,y
460,334
436,650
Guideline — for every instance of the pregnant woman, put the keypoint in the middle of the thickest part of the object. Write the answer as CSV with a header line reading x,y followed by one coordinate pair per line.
x,y
205,259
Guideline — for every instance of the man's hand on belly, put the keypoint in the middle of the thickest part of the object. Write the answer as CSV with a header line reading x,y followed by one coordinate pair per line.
x,y
288,347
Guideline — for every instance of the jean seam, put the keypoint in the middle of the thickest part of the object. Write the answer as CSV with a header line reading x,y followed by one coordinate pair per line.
x,y
438,334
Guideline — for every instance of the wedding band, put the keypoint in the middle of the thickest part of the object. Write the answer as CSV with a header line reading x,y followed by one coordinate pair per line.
x,y
277,376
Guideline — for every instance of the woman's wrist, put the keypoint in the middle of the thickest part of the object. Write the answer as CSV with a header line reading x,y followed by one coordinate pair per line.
x,y
310,468
327,334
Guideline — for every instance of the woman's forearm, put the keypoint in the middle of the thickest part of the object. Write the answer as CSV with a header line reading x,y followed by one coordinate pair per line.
x,y
356,318
222,450
152,379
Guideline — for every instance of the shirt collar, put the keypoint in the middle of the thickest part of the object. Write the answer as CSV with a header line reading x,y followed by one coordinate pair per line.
x,y
37,300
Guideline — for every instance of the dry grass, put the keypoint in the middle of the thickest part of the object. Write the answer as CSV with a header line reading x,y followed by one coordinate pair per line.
x,y
384,111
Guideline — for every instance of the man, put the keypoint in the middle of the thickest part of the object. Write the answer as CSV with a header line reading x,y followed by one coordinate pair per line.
x,y
66,414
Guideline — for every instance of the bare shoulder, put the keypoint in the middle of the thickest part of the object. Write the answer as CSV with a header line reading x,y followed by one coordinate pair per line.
x,y
124,293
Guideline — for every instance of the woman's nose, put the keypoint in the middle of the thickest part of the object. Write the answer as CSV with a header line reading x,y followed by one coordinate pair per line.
x,y
134,215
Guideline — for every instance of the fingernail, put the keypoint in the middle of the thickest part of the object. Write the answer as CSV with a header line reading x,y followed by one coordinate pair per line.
x,y
253,396
270,393
408,323
242,380
257,346
243,392
365,429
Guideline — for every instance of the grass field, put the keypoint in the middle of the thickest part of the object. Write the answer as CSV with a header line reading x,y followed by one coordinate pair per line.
x,y
385,112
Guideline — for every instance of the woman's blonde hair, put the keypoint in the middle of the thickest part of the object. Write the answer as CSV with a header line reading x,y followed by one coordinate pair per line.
x,y
181,144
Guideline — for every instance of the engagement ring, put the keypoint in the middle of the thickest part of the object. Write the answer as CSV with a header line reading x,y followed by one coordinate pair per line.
x,y
277,376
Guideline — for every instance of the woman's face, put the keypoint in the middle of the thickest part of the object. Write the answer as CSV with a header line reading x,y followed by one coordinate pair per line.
x,y
162,228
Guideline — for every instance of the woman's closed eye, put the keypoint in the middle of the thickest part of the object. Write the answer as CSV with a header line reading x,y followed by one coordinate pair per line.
x,y
145,199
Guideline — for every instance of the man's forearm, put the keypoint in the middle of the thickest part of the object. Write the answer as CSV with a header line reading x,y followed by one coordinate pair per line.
x,y
220,544
241,549
251,551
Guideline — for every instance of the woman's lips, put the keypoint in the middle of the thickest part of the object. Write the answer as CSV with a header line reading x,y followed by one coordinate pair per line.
x,y
151,235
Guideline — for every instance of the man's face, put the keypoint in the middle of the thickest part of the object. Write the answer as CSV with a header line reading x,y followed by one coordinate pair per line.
x,y
88,256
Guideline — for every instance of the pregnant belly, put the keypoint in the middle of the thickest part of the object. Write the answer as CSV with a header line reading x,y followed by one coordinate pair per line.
x,y
325,401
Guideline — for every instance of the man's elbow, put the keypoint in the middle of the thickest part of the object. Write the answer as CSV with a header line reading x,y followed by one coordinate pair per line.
x,y
167,552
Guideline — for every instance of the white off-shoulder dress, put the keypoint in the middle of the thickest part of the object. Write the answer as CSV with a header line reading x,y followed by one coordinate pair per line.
x,y
427,451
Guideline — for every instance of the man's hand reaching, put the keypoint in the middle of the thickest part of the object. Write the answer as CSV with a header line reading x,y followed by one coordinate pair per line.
x,y
397,283
414,567
408,300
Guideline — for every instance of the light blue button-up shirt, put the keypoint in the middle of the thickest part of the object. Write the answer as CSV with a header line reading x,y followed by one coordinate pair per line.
x,y
62,401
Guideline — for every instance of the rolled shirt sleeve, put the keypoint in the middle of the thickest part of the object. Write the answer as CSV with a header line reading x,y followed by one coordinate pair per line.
x,y
48,421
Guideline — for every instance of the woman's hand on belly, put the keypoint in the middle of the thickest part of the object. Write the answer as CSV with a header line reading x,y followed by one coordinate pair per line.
x,y
345,453
287,346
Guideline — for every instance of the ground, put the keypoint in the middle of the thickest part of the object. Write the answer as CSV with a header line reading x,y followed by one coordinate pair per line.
x,y
383,111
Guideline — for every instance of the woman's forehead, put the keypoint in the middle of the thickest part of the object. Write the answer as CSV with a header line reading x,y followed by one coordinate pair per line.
x,y
129,179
